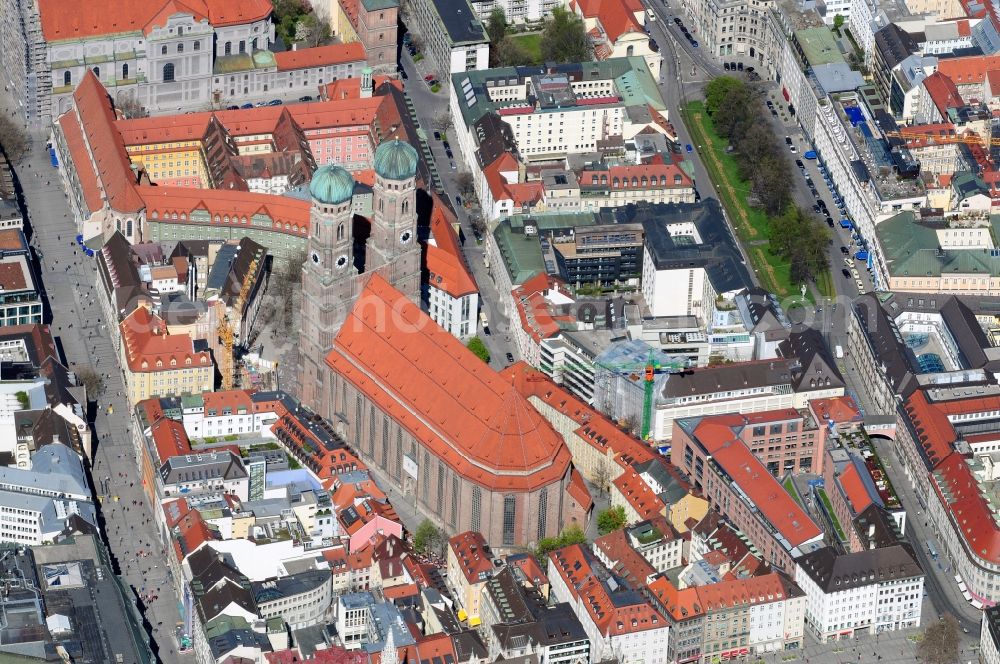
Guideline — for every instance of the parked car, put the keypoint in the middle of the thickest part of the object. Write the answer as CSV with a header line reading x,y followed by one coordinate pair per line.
x,y
445,144
306,98
688,148
725,65
678,21
847,275
429,78
450,154
739,66
798,162
816,209
437,136
275,102
232,108
510,358
774,112
845,251
694,42
246,106
788,140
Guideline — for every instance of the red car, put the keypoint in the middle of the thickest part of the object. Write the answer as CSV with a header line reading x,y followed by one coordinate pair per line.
x,y
429,78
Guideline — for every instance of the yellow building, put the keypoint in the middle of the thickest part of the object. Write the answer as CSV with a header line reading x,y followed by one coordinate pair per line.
x,y
470,563
180,163
340,24
156,363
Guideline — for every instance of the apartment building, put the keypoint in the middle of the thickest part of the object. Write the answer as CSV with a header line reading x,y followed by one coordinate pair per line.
x,y
948,343
732,618
39,502
731,30
851,487
157,363
20,302
470,564
452,35
750,387
453,296
867,592
989,639
517,623
719,462
517,11
617,620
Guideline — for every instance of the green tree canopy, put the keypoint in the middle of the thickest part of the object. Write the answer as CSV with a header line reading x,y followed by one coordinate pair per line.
x,y
427,538
611,519
479,349
496,25
565,38
720,88
569,536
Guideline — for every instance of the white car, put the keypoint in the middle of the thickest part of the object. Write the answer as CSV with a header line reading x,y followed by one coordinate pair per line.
x,y
848,262
854,273
861,286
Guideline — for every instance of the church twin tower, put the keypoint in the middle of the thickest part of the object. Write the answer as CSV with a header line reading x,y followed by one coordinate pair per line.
x,y
330,281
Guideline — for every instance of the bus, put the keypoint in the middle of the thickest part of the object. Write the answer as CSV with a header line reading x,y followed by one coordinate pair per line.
x,y
931,549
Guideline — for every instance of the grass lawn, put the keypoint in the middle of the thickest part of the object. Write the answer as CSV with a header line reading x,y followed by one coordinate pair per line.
x,y
751,224
824,283
532,45
790,488
829,511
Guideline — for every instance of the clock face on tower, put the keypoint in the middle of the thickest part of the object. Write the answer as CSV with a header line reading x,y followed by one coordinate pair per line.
x,y
315,258
341,261
405,237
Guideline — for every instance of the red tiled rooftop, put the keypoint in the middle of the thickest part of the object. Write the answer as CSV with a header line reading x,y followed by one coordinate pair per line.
x,y
97,117
473,556
770,498
836,409
445,260
959,490
968,69
319,56
579,492
428,381
854,489
90,18
148,347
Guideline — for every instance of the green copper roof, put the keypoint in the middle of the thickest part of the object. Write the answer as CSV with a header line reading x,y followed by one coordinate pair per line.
x,y
331,185
396,160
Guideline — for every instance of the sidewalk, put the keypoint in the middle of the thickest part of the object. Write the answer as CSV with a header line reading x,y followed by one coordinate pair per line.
x,y
68,279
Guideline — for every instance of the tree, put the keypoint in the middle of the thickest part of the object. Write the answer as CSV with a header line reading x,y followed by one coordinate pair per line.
x,y
565,38
312,31
602,476
611,519
428,538
569,536
940,642
92,382
508,52
465,183
13,140
286,15
479,349
496,25
442,121
720,88
838,22
131,108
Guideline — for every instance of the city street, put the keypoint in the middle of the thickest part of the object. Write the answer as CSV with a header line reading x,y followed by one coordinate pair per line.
x,y
68,279
428,106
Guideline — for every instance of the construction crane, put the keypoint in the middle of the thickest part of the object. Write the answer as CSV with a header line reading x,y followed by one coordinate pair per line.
x,y
931,138
226,333
636,371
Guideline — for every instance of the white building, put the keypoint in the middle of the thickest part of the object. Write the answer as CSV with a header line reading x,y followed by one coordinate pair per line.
x,y
36,503
453,297
989,639
866,592
517,11
300,599
619,625
452,35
